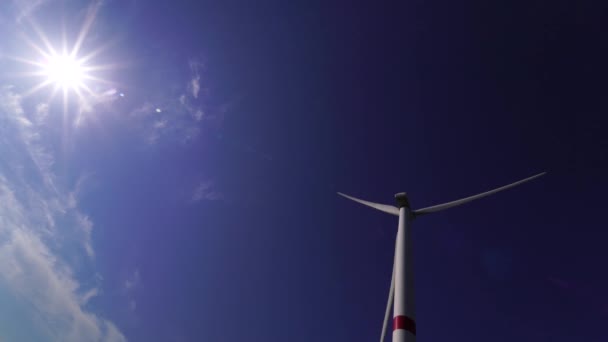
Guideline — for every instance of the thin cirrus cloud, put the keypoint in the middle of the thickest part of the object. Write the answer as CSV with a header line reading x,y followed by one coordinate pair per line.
x,y
130,285
205,191
164,121
195,81
178,117
46,250
87,103
38,221
26,7
132,281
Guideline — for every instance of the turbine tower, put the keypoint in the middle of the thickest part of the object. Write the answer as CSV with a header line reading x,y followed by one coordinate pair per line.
x,y
401,294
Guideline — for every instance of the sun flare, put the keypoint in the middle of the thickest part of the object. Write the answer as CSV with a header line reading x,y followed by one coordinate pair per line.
x,y
64,71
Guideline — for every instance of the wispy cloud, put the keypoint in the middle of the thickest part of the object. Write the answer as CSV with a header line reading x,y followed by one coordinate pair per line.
x,y
88,102
37,220
174,121
129,287
180,116
35,274
94,292
195,86
85,228
42,111
133,281
205,190
26,7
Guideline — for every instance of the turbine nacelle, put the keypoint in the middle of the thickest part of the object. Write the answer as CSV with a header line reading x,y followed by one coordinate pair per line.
x,y
402,200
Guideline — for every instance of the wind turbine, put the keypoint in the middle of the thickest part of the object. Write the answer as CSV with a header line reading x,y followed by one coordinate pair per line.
x,y
402,282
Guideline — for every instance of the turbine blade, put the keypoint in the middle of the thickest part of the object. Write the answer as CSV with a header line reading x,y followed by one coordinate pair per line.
x,y
389,305
447,205
389,209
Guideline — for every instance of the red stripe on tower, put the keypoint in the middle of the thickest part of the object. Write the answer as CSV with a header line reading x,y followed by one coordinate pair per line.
x,y
405,323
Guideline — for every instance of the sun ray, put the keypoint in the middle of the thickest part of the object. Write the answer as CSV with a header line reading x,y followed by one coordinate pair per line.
x,y
67,68
20,74
24,60
36,88
65,131
43,38
87,89
101,67
85,103
53,93
100,80
84,31
97,51
41,51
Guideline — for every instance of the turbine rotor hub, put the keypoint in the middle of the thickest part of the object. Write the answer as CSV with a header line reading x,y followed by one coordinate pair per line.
x,y
402,200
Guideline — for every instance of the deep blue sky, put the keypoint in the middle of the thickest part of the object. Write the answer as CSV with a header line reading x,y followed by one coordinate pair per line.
x,y
216,219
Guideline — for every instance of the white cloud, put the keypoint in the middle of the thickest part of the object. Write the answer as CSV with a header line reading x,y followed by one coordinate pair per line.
x,y
143,110
199,114
133,281
112,334
36,218
32,272
87,102
195,86
94,292
72,200
179,117
85,226
42,111
129,286
174,122
159,124
205,190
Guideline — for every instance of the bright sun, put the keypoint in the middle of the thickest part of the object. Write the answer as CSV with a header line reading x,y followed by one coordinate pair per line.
x,y
64,71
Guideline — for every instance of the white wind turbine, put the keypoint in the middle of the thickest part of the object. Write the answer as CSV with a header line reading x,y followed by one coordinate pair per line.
x,y
402,282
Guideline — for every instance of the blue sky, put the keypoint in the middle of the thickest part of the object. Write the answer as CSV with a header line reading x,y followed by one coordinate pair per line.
x,y
60,165
186,191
